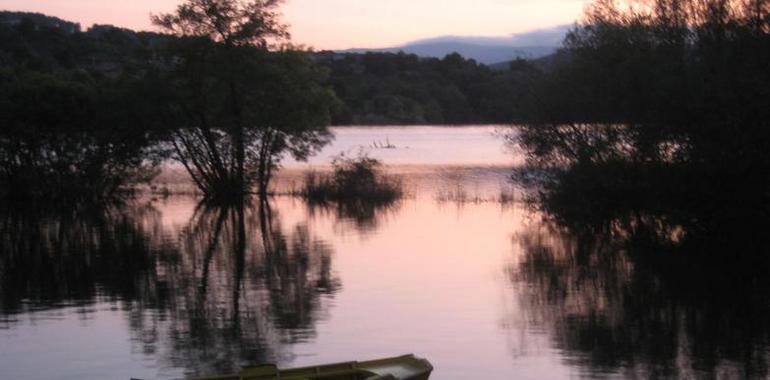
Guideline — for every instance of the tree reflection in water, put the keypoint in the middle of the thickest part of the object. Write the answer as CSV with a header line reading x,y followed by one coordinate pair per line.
x,y
649,295
233,288
362,215
73,255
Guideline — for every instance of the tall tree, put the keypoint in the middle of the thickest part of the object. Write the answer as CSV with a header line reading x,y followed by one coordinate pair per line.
x,y
244,97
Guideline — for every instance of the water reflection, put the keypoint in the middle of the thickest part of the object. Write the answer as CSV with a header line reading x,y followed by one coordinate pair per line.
x,y
233,287
362,215
648,295
56,257
169,288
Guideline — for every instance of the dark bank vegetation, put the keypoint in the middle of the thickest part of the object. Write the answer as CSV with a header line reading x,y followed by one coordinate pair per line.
x,y
388,89
658,89
221,91
68,128
661,102
667,82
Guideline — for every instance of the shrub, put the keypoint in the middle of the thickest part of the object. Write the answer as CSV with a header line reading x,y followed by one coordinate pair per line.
x,y
353,179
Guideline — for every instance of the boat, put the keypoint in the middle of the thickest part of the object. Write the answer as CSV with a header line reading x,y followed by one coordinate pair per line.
x,y
405,367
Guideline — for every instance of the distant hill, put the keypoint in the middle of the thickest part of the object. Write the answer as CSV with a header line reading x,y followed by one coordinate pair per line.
x,y
46,43
10,18
486,50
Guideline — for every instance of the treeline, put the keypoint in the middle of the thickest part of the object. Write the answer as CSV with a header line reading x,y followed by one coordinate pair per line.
x,y
221,91
666,101
663,89
388,89
373,88
71,108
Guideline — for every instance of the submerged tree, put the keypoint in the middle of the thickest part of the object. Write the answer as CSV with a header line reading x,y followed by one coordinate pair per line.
x,y
241,106
68,135
674,89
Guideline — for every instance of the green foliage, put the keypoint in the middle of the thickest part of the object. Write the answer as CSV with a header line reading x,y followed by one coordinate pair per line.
x,y
239,106
661,108
385,88
45,44
677,82
210,94
353,179
74,108
60,137
230,22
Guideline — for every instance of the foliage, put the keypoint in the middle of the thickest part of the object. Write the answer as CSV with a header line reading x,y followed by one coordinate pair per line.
x,y
208,93
386,88
664,102
60,137
232,23
75,109
666,81
239,106
353,179
47,44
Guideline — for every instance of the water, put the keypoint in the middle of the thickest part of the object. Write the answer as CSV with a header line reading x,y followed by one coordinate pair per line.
x,y
420,145
482,286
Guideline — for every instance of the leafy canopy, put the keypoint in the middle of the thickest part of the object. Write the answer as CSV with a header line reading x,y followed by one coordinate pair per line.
x,y
232,23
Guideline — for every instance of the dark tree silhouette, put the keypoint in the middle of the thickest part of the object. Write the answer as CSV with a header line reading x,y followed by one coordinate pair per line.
x,y
241,106
61,139
668,97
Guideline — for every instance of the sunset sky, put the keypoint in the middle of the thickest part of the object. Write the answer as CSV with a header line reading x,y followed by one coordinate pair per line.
x,y
339,24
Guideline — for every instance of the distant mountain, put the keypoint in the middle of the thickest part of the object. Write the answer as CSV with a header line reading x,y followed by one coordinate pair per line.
x,y
486,50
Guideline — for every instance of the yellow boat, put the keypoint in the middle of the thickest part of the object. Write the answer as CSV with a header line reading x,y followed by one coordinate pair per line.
x,y
406,367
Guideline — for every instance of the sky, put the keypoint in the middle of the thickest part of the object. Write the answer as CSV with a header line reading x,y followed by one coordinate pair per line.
x,y
340,24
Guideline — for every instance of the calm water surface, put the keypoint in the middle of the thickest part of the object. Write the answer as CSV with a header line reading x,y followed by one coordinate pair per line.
x,y
482,286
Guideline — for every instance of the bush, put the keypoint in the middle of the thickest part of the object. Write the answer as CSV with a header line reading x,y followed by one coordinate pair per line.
x,y
353,179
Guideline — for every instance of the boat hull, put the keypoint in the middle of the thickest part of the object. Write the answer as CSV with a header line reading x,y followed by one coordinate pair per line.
x,y
406,367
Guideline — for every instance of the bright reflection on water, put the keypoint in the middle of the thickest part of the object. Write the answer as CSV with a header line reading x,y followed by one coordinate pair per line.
x,y
422,145
482,286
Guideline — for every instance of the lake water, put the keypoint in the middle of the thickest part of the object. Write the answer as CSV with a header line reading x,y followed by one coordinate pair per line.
x,y
461,272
